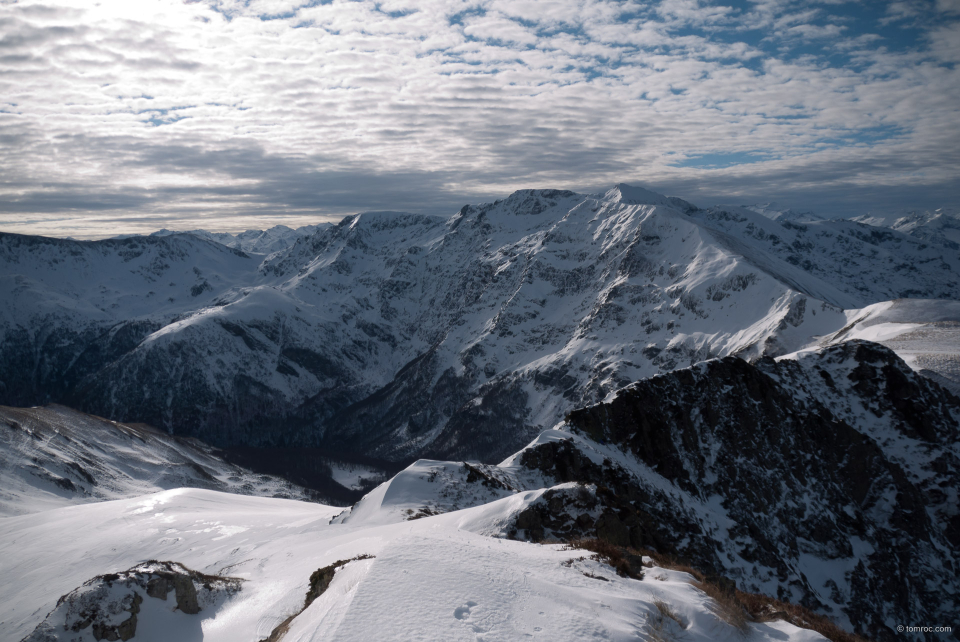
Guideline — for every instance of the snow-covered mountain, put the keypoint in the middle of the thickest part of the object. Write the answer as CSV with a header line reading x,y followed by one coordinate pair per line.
x,y
54,456
777,213
924,333
940,226
274,239
827,477
399,334
71,307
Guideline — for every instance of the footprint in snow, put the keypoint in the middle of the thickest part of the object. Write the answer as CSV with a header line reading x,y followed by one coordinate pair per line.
x,y
463,612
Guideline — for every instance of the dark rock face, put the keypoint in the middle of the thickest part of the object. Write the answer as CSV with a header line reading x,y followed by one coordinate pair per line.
x,y
186,594
159,587
624,510
611,529
96,604
830,480
560,513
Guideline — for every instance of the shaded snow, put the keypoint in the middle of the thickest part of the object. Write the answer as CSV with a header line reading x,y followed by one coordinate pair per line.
x,y
54,456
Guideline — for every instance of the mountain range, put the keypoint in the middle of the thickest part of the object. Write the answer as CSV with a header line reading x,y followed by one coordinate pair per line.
x,y
401,335
274,239
940,226
764,395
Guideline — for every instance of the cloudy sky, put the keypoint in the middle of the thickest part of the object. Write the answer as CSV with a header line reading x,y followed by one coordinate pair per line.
x,y
124,116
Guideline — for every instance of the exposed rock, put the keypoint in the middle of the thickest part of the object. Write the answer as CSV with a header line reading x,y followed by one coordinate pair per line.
x,y
529,520
611,529
102,602
128,628
846,457
159,587
565,512
186,594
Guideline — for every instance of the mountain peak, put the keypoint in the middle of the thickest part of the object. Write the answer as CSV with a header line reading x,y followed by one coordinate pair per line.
x,y
630,195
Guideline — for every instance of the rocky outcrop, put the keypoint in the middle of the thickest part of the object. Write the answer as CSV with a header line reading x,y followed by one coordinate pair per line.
x,y
621,508
320,581
564,513
828,480
107,606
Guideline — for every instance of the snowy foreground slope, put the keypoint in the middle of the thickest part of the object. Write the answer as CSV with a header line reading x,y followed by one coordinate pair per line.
x,y
432,579
52,457
827,478
401,335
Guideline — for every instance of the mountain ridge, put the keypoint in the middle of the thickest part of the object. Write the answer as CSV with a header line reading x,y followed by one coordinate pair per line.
x,y
504,315
824,478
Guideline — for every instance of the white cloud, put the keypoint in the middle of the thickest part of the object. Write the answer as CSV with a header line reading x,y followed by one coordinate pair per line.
x,y
945,43
158,107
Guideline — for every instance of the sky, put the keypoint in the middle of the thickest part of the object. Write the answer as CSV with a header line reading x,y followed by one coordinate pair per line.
x,y
126,117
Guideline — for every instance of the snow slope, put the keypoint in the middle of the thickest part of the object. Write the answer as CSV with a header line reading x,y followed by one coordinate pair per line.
x,y
53,457
924,333
400,335
430,579
844,263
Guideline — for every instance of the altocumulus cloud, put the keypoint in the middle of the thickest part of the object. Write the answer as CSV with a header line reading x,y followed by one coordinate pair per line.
x,y
126,116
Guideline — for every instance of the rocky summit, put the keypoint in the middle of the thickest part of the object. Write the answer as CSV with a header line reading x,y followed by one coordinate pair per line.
x,y
829,479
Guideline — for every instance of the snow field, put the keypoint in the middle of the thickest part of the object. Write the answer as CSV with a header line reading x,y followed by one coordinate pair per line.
x,y
432,579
